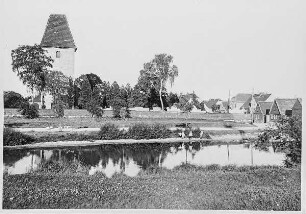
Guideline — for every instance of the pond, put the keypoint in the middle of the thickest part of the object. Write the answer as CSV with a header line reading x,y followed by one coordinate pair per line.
x,y
130,159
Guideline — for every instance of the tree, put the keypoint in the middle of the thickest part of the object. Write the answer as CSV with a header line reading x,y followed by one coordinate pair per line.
x,y
13,99
85,93
70,93
126,96
82,85
157,73
172,99
214,107
31,65
185,104
105,89
116,101
94,80
57,84
94,106
286,136
28,110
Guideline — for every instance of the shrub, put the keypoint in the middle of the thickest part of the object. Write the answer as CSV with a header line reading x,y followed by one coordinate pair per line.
x,y
13,99
213,167
94,109
196,133
287,137
13,138
230,167
145,131
110,131
28,110
125,113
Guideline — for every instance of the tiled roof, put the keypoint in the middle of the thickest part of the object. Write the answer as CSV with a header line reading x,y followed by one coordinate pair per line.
x,y
261,97
285,104
264,106
57,33
241,97
258,98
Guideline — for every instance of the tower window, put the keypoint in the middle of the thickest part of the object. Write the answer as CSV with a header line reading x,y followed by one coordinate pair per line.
x,y
58,54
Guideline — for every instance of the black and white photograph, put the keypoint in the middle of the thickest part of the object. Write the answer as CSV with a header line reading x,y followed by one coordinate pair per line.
x,y
152,105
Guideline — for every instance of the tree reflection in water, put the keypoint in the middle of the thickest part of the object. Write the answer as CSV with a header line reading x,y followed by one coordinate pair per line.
x,y
127,158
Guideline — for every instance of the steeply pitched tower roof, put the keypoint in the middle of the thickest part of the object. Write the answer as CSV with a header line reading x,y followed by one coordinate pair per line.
x,y
57,33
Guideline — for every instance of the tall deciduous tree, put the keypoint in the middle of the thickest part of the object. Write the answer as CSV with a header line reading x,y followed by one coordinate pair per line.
x,y
57,84
31,65
158,72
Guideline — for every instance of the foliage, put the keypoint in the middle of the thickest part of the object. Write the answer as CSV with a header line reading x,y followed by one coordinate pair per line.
x,y
157,72
85,92
145,131
58,108
94,80
172,99
13,138
214,108
119,100
196,133
70,93
110,132
84,87
29,111
94,105
13,99
186,103
31,64
286,135
57,84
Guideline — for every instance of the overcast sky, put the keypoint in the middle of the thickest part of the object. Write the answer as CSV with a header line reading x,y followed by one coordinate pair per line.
x,y
218,45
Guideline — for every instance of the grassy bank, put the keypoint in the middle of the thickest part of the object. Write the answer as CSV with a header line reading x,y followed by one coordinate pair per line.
x,y
13,138
81,122
185,187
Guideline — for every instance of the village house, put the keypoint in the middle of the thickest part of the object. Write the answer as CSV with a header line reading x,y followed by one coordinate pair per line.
x,y
59,43
262,112
297,108
281,107
251,103
238,101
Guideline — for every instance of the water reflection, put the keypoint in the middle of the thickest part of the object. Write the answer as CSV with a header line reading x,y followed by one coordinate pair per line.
x,y
131,159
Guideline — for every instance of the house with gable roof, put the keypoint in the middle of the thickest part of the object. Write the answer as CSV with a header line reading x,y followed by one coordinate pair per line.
x,y
281,107
238,101
252,102
59,44
262,112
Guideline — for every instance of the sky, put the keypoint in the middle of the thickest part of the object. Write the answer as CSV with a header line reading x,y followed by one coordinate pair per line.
x,y
217,45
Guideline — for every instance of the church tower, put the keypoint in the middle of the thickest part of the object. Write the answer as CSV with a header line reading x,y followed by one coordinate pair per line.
x,y
59,43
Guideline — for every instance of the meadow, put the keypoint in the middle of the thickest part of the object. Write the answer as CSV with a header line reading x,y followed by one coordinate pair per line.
x,y
185,187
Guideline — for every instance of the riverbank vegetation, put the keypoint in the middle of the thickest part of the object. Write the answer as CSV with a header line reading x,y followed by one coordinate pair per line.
x,y
185,187
286,136
111,131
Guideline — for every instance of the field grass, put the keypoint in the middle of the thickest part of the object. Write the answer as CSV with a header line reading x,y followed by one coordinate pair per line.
x,y
81,122
185,187
140,114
